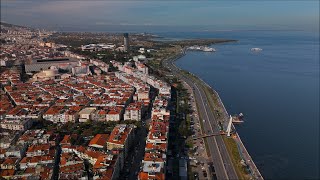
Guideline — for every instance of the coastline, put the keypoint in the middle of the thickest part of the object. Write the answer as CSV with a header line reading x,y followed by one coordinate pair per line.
x,y
242,151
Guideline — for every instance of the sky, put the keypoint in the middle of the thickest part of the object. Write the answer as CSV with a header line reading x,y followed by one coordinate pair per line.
x,y
213,15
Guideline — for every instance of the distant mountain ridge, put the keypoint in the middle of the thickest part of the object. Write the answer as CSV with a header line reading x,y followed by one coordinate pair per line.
x,y
14,25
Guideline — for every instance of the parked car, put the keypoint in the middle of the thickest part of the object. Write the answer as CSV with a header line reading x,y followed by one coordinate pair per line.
x,y
204,173
196,175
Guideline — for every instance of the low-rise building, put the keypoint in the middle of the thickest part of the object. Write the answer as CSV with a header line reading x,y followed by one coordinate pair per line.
x,y
92,156
121,137
152,168
107,167
40,150
158,132
7,139
134,111
16,151
32,162
62,114
9,163
114,115
99,141
16,125
72,167
37,65
68,139
2,153
37,136
162,147
7,173
41,171
86,114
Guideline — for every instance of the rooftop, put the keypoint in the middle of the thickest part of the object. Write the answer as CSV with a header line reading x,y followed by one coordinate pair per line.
x,y
99,140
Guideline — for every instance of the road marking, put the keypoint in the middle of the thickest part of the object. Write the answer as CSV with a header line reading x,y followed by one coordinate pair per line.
x,y
209,123
212,131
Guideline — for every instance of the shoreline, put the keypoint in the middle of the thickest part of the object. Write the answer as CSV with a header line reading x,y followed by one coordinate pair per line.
x,y
254,171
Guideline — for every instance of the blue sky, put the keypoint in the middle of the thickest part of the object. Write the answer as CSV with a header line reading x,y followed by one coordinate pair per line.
x,y
228,14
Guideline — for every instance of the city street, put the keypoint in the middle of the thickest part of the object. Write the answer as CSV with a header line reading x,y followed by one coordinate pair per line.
x,y
133,162
198,158
219,154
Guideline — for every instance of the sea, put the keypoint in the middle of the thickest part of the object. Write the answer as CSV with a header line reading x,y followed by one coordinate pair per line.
x,y
277,89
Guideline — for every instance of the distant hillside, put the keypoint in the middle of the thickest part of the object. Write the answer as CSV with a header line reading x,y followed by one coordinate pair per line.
x,y
13,25
9,25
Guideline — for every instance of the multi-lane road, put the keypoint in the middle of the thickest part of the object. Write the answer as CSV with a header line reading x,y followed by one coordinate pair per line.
x,y
218,152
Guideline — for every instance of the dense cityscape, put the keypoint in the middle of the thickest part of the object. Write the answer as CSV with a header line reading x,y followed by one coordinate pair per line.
x,y
48,89
104,110
157,90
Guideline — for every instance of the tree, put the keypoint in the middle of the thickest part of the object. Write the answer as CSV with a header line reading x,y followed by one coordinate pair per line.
x,y
112,68
183,129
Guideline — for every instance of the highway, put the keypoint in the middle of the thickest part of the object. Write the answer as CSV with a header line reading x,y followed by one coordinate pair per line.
x,y
219,155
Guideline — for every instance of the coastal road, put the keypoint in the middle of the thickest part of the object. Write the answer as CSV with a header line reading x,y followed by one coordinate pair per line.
x,y
218,152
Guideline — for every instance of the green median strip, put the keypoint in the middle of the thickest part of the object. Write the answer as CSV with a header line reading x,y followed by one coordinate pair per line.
x,y
202,131
232,149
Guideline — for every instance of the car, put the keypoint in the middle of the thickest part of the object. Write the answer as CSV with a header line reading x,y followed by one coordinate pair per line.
x,y
204,173
196,174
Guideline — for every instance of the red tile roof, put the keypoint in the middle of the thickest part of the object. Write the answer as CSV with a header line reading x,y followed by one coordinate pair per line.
x,y
156,176
6,172
72,168
118,137
99,139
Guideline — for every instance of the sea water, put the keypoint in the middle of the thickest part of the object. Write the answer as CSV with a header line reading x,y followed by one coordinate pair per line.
x,y
277,89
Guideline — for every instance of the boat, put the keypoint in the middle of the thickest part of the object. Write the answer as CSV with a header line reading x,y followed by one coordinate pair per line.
x,y
256,49
208,49
201,48
237,119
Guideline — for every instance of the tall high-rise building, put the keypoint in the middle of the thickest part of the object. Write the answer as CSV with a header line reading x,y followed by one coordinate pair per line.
x,y
126,42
